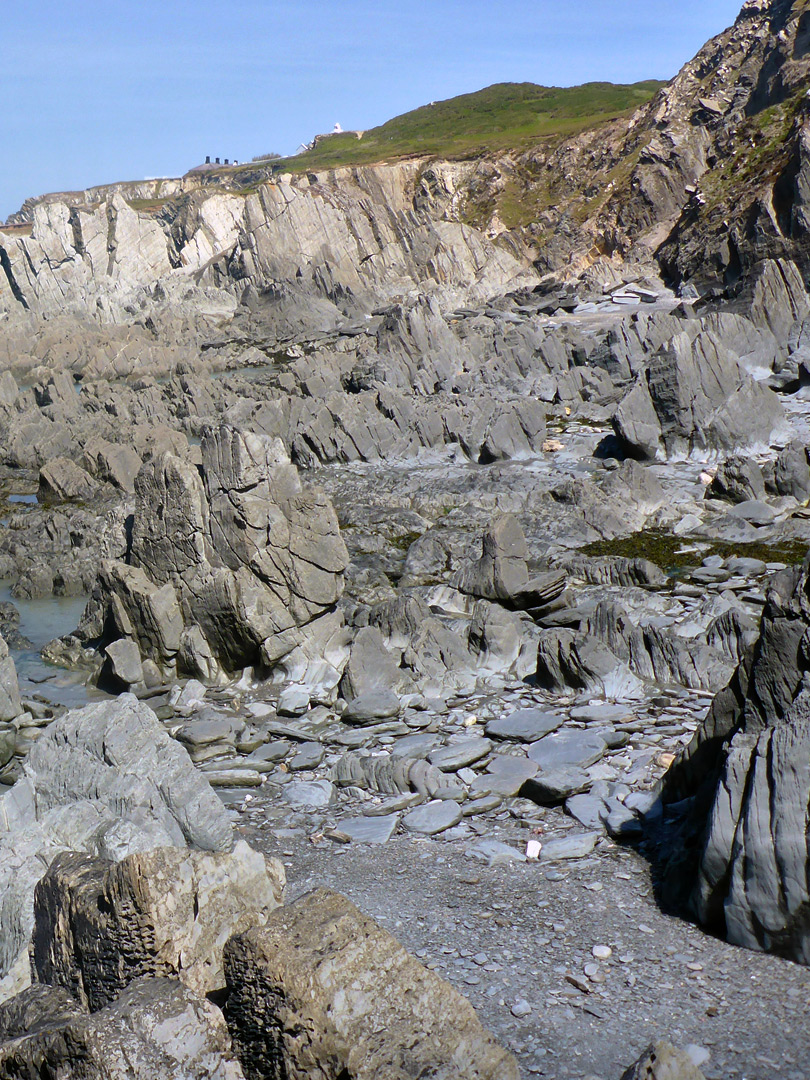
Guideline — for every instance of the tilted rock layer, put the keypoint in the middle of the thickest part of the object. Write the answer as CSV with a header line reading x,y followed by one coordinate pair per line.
x,y
740,861
224,571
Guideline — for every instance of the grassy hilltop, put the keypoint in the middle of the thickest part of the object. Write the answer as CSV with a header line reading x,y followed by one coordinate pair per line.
x,y
501,117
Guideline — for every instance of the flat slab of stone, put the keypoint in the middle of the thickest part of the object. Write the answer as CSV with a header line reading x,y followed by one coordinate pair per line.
x,y
573,846
414,746
505,776
276,750
294,701
588,810
206,732
493,852
372,706
432,818
289,731
525,725
309,756
308,794
572,747
746,567
754,512
370,830
482,805
601,714
553,786
457,754
394,804
233,778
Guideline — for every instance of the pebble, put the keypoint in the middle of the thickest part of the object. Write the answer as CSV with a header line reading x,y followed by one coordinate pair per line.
x,y
302,794
521,1008
554,785
294,701
309,756
494,852
602,952
455,755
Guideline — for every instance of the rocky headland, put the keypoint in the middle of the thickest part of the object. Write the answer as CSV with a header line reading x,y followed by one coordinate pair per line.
x,y
443,566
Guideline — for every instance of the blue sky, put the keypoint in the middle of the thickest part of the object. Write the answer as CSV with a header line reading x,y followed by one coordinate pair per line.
x,y
101,90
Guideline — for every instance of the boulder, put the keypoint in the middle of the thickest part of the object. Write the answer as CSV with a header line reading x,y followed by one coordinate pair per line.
x,y
791,474
10,701
323,987
779,298
61,480
695,397
98,925
156,1030
502,570
739,479
227,566
106,780
114,463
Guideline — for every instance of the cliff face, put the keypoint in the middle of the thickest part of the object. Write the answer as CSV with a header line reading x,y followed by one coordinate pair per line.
x,y
711,177
352,238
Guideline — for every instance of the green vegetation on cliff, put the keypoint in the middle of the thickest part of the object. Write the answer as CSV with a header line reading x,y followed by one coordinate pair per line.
x,y
501,117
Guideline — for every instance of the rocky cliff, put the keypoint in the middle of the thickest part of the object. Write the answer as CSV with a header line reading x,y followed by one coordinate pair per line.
x,y
710,178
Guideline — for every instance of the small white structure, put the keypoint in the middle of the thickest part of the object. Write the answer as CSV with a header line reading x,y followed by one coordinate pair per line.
x,y
337,129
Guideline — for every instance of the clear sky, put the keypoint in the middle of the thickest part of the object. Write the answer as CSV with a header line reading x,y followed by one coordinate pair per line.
x,y
96,91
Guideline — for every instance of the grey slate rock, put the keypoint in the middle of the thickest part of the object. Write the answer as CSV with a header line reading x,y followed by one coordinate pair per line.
x,y
525,725
433,818
308,756
572,846
494,852
554,785
375,704
457,754
308,794
588,810
738,860
505,776
107,780
569,747
754,512
370,830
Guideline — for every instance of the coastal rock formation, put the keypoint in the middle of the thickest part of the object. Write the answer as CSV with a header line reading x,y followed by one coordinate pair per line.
x,y
355,231
99,924
322,985
738,859
695,397
155,1030
223,572
107,780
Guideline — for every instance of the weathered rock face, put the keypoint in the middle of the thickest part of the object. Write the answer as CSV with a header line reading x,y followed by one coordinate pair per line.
x,y
739,860
156,1030
324,988
695,398
100,925
224,571
10,703
354,233
106,780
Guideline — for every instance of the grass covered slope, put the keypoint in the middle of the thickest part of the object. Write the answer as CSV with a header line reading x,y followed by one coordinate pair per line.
x,y
500,117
